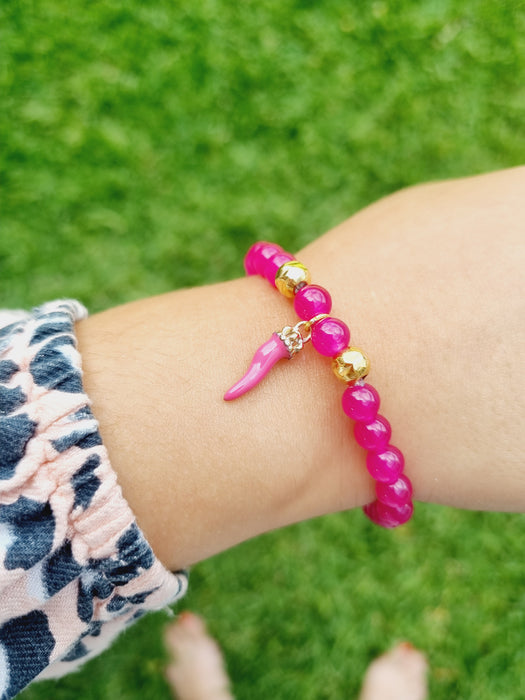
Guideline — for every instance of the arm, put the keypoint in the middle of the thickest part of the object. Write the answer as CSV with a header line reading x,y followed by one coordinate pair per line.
x,y
429,281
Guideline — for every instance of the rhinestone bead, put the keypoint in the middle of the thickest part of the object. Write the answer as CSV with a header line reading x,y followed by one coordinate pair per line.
x,y
351,364
290,277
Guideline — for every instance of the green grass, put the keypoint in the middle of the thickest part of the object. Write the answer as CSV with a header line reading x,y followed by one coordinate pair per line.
x,y
144,146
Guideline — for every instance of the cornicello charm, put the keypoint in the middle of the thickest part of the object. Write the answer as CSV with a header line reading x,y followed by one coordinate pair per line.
x,y
284,344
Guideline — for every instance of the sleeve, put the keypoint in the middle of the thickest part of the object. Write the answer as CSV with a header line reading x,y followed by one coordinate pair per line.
x,y
75,569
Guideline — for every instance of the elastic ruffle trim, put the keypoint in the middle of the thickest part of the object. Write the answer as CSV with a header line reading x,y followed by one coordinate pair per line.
x,y
75,570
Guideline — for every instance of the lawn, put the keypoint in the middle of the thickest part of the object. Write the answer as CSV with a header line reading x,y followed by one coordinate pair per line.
x,y
144,146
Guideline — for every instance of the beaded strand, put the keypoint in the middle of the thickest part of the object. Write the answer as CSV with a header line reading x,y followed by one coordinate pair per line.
x,y
331,337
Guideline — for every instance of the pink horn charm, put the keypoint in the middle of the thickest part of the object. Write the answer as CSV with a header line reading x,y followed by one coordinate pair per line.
x,y
264,359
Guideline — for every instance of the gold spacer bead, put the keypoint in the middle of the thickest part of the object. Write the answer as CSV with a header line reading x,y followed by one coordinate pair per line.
x,y
289,276
351,364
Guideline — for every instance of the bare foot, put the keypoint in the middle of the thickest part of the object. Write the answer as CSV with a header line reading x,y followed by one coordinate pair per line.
x,y
197,670
400,674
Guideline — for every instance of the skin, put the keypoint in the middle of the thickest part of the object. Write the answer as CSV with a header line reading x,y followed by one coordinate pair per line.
x,y
430,281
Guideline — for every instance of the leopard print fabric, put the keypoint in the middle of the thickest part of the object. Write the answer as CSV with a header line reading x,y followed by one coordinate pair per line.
x,y
75,569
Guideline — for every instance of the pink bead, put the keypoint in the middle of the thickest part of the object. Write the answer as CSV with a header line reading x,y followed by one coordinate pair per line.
x,y
252,257
361,402
375,435
330,336
387,465
396,494
274,263
257,256
387,516
311,301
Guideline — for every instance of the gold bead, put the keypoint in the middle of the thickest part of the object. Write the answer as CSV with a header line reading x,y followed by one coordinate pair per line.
x,y
289,276
351,364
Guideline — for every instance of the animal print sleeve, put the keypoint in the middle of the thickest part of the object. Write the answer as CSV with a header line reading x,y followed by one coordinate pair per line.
x,y
75,569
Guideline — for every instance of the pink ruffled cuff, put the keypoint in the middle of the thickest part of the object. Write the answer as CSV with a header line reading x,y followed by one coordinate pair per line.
x,y
75,569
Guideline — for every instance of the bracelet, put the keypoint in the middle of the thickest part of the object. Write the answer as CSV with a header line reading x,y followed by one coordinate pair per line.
x,y
330,337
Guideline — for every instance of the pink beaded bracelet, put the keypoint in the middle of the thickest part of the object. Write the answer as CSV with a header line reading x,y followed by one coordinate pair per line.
x,y
330,337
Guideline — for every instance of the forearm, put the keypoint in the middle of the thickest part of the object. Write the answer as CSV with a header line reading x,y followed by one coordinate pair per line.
x,y
200,473
428,281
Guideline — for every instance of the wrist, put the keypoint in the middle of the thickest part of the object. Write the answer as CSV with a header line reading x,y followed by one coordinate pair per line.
x,y
202,475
